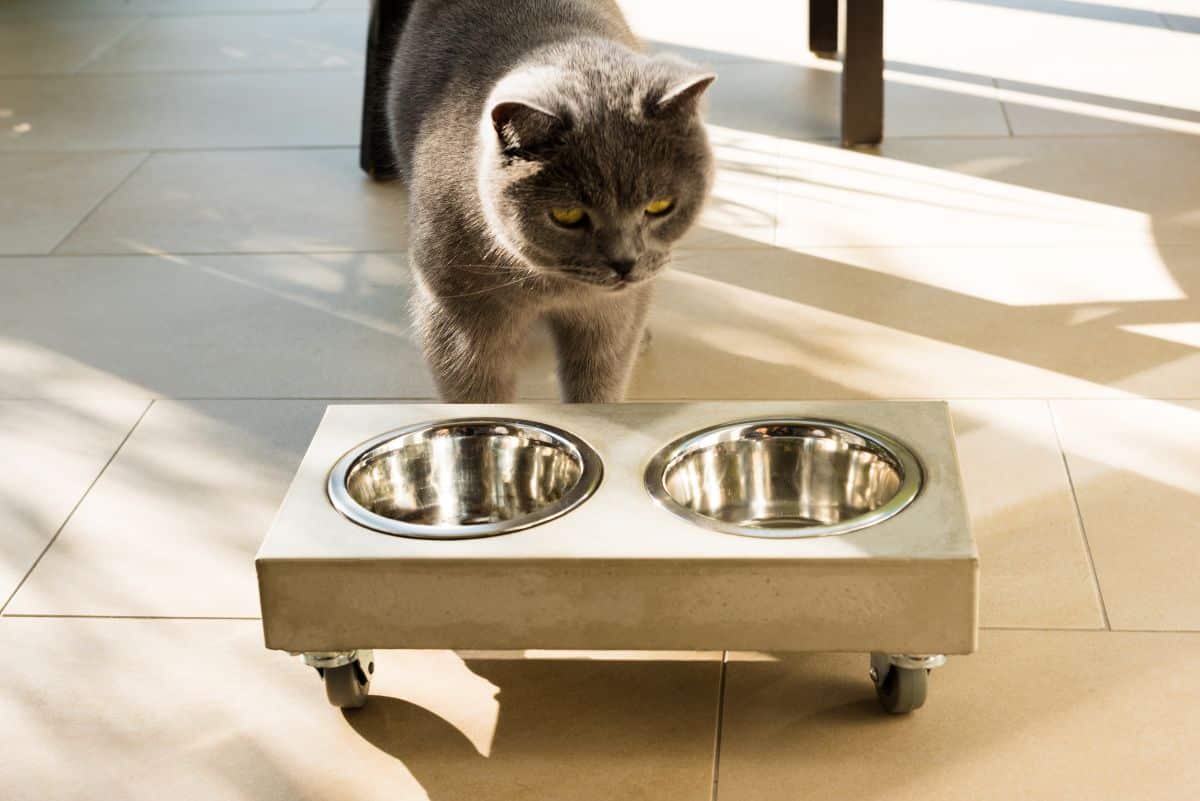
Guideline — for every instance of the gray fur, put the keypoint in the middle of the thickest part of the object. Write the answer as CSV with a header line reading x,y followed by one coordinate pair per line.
x,y
499,111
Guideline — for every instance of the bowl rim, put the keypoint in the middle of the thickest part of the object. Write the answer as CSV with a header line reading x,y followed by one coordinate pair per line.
x,y
590,476
912,478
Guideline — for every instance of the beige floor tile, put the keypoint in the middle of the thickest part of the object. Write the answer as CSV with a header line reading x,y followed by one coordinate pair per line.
x,y
804,102
1033,560
1073,716
760,29
1052,45
34,47
199,710
20,9
246,202
172,526
1043,111
333,325
267,41
714,60
1136,471
1022,191
920,323
47,194
1142,13
50,452
124,112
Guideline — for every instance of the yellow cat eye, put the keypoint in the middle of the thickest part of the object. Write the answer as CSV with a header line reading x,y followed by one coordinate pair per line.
x,y
571,216
660,206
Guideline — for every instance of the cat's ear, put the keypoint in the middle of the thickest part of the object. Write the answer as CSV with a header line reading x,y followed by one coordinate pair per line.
x,y
521,125
683,95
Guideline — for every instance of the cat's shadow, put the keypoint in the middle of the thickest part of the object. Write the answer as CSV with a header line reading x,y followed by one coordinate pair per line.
x,y
565,728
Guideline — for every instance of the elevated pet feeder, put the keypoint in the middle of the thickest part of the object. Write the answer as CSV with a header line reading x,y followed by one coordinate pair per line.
x,y
666,526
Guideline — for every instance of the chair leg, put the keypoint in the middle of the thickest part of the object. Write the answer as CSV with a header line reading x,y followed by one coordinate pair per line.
x,y
862,74
374,152
823,27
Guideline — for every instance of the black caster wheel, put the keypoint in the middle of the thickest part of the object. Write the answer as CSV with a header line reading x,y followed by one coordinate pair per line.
x,y
347,686
900,690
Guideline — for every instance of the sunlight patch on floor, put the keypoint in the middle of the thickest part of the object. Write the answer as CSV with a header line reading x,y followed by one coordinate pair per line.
x,y
1021,277
1183,333
770,336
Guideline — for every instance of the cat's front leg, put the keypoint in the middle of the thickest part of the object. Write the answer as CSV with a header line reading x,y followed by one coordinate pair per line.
x,y
471,348
597,345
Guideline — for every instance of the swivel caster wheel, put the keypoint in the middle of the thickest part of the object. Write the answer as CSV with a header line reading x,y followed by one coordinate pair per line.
x,y
902,681
347,675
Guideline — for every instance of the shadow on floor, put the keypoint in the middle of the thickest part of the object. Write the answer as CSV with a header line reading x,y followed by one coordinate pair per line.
x,y
566,728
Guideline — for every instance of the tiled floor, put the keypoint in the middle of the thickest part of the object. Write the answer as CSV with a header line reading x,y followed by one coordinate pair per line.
x,y
191,265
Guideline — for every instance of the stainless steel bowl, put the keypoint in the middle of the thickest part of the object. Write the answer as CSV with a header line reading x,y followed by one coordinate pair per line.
x,y
458,479
783,478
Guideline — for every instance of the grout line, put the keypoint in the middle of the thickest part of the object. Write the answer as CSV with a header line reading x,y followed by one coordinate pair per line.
x,y
720,711
385,398
131,617
141,254
153,73
1003,109
314,398
138,22
691,251
716,770
164,14
1148,134
657,399
813,248
75,508
1043,628
99,203
1060,630
1079,516
349,146
167,253
215,72
1166,21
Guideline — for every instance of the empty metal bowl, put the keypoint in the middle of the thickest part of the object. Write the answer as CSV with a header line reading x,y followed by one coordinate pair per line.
x,y
783,478
457,479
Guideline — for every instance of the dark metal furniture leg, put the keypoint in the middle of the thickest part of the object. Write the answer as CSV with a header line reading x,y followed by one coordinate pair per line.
x,y
823,27
862,74
374,152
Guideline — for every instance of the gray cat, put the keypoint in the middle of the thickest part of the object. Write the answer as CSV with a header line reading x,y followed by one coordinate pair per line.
x,y
550,166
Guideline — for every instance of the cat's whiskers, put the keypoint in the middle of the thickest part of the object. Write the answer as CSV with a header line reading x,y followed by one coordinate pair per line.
x,y
485,290
489,269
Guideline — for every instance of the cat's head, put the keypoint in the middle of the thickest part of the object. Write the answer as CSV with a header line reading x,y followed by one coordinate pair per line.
x,y
592,168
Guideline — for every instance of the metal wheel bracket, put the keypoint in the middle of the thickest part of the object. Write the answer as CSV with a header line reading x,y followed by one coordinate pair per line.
x,y
881,663
917,661
322,660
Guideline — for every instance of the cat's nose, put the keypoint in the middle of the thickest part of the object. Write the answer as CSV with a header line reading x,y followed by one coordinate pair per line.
x,y
622,267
